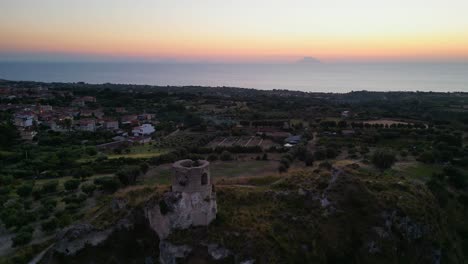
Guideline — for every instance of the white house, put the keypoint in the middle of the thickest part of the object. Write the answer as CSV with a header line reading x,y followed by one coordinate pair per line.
x,y
145,129
25,119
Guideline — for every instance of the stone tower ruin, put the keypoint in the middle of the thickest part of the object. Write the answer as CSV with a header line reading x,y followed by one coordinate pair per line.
x,y
192,180
190,202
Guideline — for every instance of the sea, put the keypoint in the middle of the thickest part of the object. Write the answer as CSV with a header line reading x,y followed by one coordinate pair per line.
x,y
317,77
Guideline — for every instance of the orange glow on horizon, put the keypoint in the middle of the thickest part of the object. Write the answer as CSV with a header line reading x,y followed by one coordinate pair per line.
x,y
253,30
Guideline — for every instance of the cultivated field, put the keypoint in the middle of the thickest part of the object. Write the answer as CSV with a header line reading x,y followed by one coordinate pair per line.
x,y
245,141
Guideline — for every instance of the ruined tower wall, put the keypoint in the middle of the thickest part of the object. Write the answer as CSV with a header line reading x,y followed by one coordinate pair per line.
x,y
190,177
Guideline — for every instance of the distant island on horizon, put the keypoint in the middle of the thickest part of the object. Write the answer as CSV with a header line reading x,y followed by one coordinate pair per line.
x,y
309,60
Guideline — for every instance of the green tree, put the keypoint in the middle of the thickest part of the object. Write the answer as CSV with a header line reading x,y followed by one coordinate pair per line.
x,y
23,236
88,188
71,184
383,159
83,172
50,225
24,190
109,184
225,156
8,135
455,177
128,174
50,187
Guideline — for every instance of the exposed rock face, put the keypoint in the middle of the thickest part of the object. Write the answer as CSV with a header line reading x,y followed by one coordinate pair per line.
x,y
211,253
76,237
217,252
169,253
130,240
180,211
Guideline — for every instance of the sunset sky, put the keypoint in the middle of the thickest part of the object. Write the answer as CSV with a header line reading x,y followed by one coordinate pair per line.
x,y
234,31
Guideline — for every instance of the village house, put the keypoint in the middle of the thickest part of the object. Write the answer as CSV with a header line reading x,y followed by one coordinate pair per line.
x,y
140,139
86,125
78,102
129,118
145,117
293,140
110,124
44,108
83,100
89,99
89,113
348,132
25,119
27,134
86,113
145,129
120,110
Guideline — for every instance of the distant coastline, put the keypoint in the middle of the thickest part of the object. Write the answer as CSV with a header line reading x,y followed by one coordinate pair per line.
x,y
309,75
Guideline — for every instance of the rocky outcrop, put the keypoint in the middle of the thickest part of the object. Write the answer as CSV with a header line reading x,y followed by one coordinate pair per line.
x,y
169,253
76,237
207,253
177,210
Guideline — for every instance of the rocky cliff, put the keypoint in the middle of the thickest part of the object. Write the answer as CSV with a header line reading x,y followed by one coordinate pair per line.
x,y
327,216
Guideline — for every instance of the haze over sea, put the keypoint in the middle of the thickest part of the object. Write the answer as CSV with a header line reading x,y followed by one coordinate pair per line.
x,y
319,77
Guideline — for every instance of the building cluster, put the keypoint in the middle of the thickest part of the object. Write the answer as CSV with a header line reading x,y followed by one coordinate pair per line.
x,y
83,114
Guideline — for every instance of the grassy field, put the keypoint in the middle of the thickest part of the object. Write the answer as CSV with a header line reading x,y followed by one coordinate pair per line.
x,y
421,171
140,151
157,175
245,168
219,169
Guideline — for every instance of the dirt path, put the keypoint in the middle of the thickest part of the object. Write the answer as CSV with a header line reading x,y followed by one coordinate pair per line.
x,y
335,174
173,133
5,244
312,143
39,256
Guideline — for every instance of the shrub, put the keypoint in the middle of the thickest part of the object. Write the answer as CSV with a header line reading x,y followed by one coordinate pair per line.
x,y
282,169
285,163
6,180
383,159
5,190
64,220
427,157
309,159
455,177
75,199
23,236
320,154
83,172
128,174
331,153
50,187
212,157
50,225
225,156
325,165
91,151
144,167
364,150
24,190
88,188
109,184
71,184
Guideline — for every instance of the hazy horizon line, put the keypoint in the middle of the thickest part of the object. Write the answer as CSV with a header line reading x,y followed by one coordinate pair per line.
x,y
33,57
214,62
